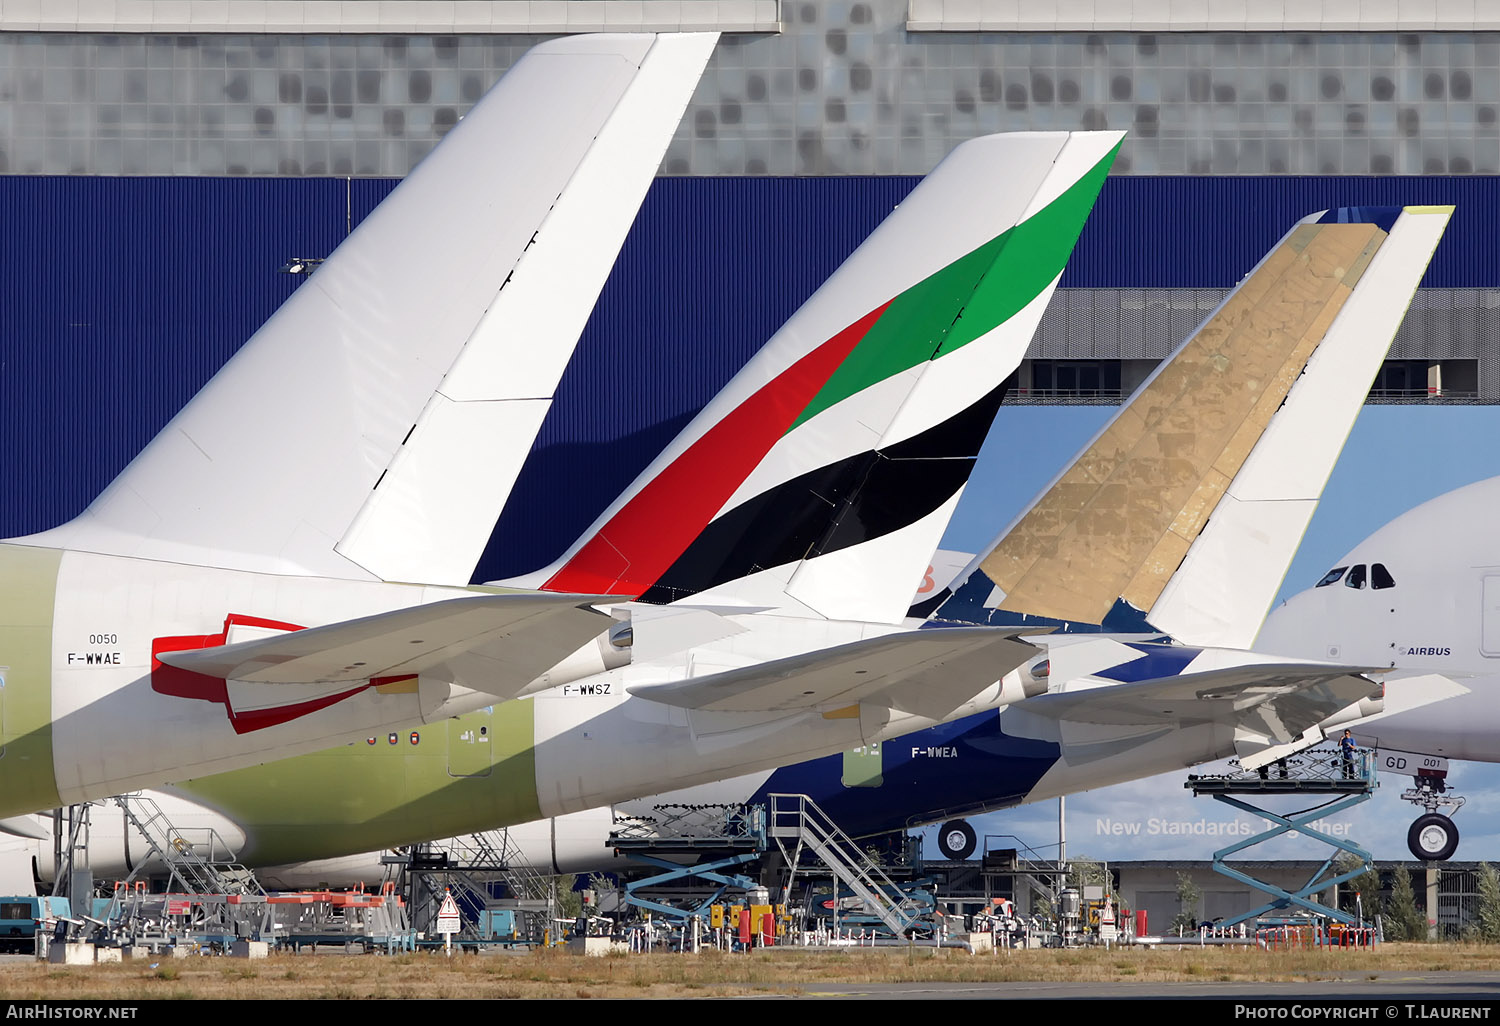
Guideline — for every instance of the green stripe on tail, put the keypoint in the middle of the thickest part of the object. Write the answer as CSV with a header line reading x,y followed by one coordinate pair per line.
x,y
970,297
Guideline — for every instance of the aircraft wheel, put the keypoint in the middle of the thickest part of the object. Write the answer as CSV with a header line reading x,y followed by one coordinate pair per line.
x,y
1433,838
956,839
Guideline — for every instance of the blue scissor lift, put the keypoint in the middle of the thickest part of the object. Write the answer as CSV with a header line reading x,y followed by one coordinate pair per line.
x,y
1339,786
726,837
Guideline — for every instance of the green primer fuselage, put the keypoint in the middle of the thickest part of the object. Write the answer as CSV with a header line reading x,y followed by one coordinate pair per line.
x,y
26,610
470,773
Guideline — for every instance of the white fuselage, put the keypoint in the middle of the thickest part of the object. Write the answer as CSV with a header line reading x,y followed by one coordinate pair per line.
x,y
88,712
1422,593
597,750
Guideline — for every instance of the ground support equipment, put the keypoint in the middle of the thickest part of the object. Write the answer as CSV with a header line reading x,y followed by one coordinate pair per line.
x,y
1313,772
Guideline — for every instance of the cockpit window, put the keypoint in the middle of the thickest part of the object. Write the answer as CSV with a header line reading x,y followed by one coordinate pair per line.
x,y
1331,577
1380,577
1356,578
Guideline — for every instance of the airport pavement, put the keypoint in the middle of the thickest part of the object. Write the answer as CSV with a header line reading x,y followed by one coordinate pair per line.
x,y
1380,988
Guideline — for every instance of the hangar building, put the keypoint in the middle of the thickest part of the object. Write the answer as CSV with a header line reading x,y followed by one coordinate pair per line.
x,y
160,160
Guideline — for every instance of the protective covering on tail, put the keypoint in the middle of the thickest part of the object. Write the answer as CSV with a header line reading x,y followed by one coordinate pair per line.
x,y
1190,503
820,479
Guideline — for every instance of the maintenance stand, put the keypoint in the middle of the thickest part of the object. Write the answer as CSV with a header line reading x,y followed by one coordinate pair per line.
x,y
476,870
705,852
1315,772
725,836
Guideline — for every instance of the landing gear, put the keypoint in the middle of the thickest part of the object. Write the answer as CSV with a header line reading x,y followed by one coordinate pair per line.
x,y
1433,838
957,839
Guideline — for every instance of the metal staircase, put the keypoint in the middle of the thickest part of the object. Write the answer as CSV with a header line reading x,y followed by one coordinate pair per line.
x,y
796,821
1008,856
468,867
476,862
525,882
197,861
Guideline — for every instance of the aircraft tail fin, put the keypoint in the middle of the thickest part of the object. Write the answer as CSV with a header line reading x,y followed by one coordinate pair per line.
x,y
821,477
373,427
1189,505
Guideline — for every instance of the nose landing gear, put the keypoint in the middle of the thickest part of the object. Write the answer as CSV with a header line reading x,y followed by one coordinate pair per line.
x,y
1433,837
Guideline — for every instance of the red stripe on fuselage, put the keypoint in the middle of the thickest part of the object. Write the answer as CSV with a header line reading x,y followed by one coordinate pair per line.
x,y
657,525
170,680
180,683
260,719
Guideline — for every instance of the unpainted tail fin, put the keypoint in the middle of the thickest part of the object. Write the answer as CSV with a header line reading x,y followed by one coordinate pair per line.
x,y
372,428
821,477
1188,506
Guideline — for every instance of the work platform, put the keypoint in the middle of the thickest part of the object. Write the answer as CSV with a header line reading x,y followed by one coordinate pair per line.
x,y
1340,782
504,901
691,829
1307,773
780,838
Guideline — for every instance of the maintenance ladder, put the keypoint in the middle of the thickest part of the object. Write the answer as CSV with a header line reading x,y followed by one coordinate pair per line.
x,y
469,867
798,822
197,861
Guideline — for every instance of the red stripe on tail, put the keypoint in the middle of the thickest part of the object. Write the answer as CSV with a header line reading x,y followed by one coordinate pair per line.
x,y
657,525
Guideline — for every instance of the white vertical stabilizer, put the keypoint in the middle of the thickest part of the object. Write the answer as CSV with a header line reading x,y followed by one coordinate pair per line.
x,y
387,406
818,481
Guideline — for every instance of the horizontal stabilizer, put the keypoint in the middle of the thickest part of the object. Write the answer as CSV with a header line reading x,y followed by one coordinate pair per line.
x,y
928,673
491,643
1405,693
1402,694
662,631
1279,700
28,827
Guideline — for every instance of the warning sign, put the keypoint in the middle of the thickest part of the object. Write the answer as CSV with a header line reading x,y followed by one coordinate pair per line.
x,y
448,920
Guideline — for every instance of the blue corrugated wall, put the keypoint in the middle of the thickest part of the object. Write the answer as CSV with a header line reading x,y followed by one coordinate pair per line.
x,y
119,297
1201,232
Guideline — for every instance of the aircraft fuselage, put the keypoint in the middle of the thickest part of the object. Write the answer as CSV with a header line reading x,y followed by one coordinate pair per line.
x,y
555,766
1421,594
87,711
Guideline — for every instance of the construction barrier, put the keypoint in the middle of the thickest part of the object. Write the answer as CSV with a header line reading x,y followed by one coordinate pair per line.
x,y
1337,935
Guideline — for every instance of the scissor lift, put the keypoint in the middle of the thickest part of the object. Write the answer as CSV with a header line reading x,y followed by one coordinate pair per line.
x,y
726,836
1316,772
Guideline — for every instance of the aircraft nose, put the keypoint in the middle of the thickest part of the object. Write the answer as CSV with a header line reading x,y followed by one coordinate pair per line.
x,y
1297,628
